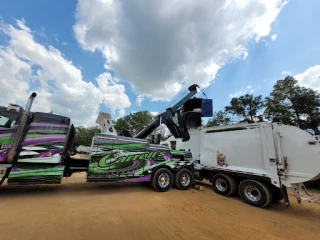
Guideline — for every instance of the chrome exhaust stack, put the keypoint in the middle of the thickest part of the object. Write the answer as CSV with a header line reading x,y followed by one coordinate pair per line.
x,y
19,133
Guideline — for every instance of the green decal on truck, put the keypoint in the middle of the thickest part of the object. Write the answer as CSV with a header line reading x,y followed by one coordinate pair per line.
x,y
110,158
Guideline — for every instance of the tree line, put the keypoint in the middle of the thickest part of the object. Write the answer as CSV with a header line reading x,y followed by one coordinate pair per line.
x,y
288,103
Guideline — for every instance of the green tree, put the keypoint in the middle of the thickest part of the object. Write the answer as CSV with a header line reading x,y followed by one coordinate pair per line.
x,y
292,104
285,94
247,107
218,119
133,123
308,103
276,111
85,135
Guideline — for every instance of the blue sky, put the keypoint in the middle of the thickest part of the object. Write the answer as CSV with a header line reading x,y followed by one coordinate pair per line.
x,y
295,50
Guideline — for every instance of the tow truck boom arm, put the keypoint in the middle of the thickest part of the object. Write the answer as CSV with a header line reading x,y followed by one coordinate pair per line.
x,y
166,118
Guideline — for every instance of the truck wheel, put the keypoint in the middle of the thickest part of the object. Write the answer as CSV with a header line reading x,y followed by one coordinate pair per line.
x,y
162,180
183,179
255,193
224,185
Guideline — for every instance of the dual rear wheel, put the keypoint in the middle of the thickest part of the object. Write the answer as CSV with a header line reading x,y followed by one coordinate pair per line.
x,y
163,179
253,192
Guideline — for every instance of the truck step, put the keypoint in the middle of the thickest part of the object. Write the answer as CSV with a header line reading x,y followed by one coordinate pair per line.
x,y
299,188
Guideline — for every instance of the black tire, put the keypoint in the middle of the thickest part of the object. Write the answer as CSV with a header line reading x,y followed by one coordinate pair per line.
x,y
255,193
224,185
183,179
167,180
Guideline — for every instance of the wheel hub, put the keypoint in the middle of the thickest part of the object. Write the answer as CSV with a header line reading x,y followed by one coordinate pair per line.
x,y
164,180
185,179
252,193
221,185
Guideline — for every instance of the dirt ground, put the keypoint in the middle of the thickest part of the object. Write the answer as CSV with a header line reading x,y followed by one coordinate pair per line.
x,y
79,210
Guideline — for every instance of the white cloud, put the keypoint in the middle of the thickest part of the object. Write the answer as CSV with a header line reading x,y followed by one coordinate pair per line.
x,y
237,94
154,113
245,55
140,99
286,73
61,88
114,96
310,78
58,41
242,92
15,76
162,47
274,37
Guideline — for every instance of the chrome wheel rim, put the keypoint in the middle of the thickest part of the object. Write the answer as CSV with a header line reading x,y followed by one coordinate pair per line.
x,y
164,180
252,193
221,185
185,179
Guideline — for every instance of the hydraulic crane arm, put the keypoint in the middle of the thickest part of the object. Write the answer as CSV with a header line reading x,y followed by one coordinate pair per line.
x,y
166,118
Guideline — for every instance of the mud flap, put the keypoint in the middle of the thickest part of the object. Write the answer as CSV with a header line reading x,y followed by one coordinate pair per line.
x,y
285,196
